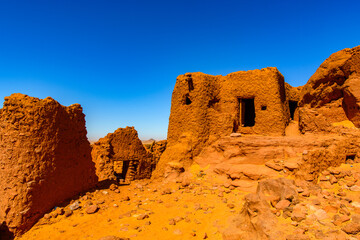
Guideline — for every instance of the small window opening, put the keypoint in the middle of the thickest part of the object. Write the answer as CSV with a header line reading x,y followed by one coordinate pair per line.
x,y
187,100
246,112
123,171
292,106
190,84
263,108
213,101
350,158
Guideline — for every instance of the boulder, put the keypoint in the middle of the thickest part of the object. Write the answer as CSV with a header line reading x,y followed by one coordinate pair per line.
x,y
352,228
256,220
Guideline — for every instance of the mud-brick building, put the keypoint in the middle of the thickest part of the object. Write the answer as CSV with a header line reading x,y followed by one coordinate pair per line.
x,y
253,102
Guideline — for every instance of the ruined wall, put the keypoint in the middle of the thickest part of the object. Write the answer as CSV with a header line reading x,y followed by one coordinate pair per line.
x,y
157,148
116,149
332,154
45,158
333,92
205,107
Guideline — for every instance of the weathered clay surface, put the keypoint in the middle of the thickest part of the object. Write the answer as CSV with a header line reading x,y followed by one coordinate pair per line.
x,y
45,158
121,155
333,92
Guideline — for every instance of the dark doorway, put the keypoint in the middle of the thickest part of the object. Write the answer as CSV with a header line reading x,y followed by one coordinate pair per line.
x,y
293,106
125,168
246,112
350,158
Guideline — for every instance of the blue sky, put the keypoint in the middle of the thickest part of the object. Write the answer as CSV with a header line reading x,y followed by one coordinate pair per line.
x,y
120,58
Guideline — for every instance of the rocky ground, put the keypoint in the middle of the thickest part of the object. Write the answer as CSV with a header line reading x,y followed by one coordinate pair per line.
x,y
203,206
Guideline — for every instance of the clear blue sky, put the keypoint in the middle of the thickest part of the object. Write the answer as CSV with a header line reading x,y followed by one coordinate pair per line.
x,y
120,58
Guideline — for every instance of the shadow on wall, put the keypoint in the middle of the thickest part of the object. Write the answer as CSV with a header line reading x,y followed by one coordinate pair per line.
x,y
5,234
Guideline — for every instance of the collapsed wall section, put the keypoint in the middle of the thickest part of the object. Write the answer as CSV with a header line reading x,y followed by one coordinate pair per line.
x,y
122,156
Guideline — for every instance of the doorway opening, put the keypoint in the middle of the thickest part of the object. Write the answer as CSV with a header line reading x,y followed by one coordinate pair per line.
x,y
246,112
293,106
124,170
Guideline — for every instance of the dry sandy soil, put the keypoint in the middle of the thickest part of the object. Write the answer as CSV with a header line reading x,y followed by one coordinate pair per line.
x,y
199,208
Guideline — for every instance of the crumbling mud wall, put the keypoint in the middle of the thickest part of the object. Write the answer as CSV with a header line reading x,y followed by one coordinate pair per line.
x,y
205,107
332,94
121,155
45,158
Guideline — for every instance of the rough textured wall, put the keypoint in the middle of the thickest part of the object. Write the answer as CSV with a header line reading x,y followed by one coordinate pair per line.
x,y
334,89
116,149
45,158
205,107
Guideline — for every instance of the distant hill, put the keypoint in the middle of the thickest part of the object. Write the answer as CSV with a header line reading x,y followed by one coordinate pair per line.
x,y
151,140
